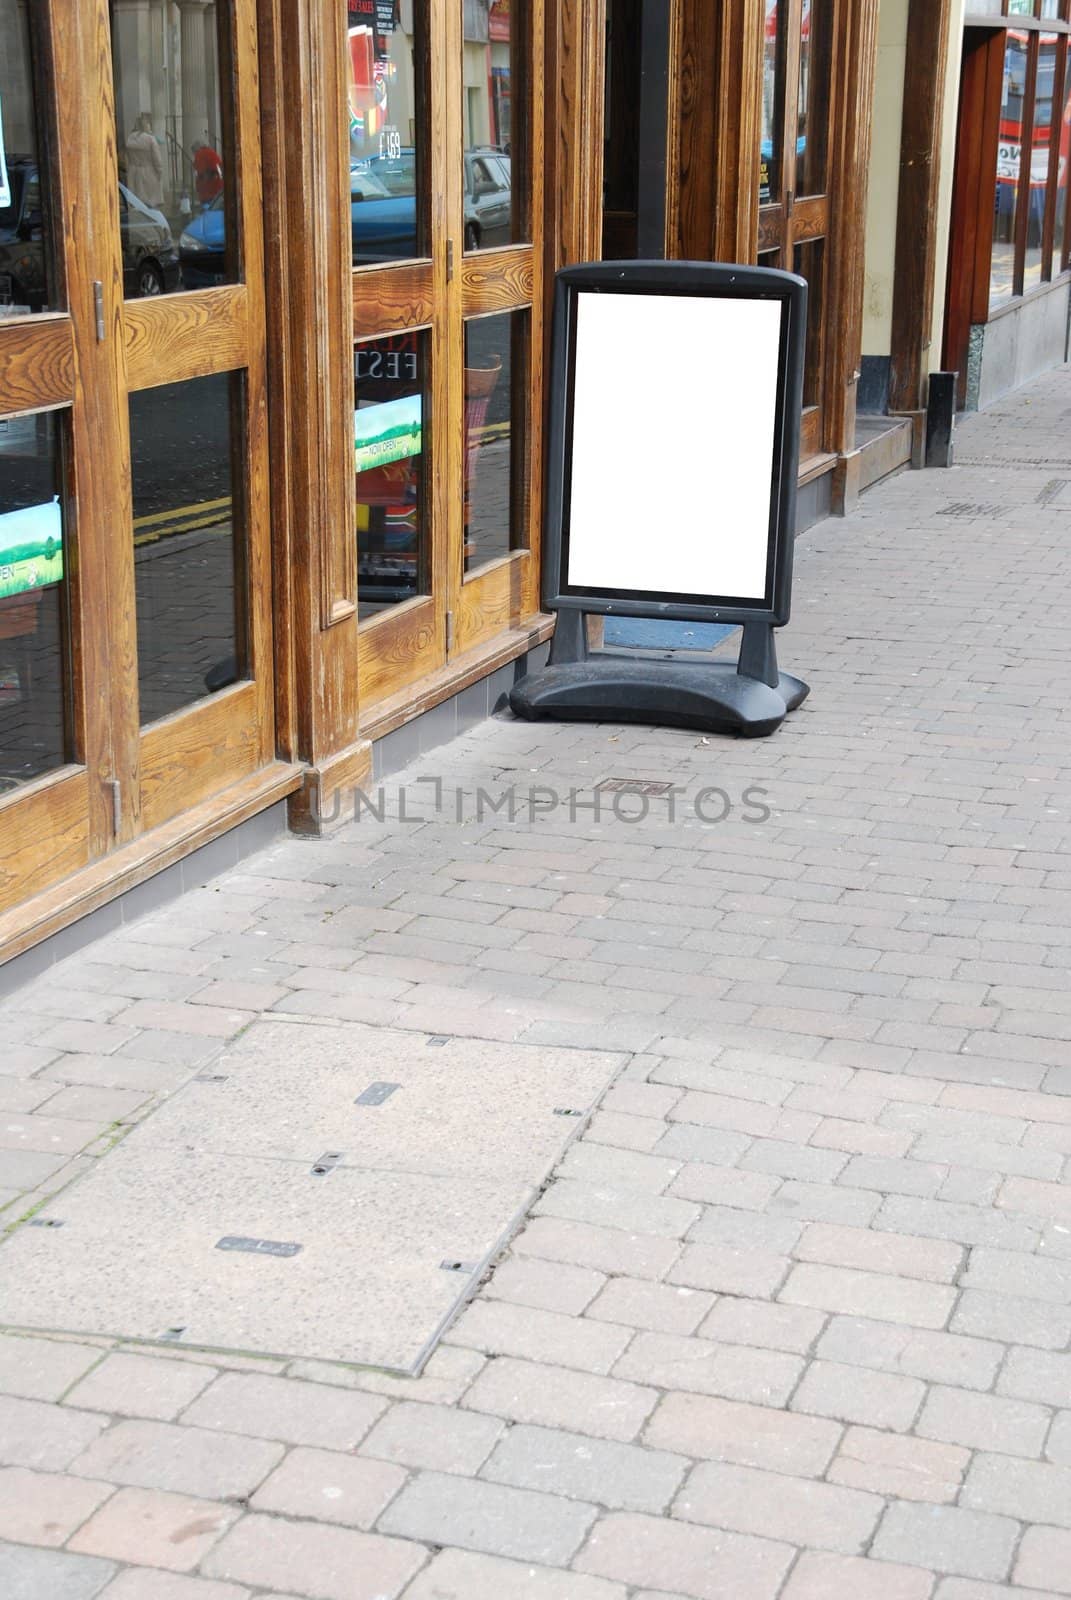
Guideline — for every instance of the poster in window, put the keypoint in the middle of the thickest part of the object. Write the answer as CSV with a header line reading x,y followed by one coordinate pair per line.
x,y
31,549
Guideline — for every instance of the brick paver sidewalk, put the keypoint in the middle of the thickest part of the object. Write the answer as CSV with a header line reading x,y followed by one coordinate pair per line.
x,y
793,1319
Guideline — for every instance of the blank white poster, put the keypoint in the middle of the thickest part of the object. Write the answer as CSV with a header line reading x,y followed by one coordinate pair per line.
x,y
674,411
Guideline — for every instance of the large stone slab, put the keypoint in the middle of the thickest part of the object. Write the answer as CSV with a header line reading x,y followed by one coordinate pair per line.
x,y
428,1185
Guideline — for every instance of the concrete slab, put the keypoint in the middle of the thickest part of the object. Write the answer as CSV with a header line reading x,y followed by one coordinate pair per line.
x,y
290,1091
264,1210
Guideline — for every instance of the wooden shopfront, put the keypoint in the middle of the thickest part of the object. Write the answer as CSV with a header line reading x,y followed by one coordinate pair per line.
x,y
273,288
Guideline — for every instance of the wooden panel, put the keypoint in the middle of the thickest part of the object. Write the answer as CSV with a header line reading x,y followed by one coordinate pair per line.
x,y
388,299
810,433
36,363
771,228
494,600
497,280
925,69
194,754
394,649
97,884
182,336
44,836
810,219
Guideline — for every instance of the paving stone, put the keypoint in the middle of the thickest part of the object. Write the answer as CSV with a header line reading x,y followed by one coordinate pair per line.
x,y
149,1583
823,1202
725,1270
444,1509
1033,1491
42,1369
449,1372
852,1395
901,1468
27,1574
84,1104
183,1460
1037,1375
868,1294
440,1438
273,1408
604,1249
775,1506
1058,1446
155,1529
141,1386
984,1422
622,1477
966,1543
821,1575
899,1254
747,1435
45,1508
329,1486
699,1562
968,1589
658,1307
763,1323
545,1285
607,1408
464,1575
532,1335
1044,1560
726,1186
33,1434
736,1372
885,1346
314,1560
605,1206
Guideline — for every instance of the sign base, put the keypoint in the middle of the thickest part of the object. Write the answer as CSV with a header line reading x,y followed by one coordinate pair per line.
x,y
750,699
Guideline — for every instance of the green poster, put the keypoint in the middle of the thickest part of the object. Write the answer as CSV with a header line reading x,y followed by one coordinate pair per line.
x,y
31,549
389,431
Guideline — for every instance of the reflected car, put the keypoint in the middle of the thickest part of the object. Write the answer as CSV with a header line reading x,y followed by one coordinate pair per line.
x,y
202,248
488,198
150,259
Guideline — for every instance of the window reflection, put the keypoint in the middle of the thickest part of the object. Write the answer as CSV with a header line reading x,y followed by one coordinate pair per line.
x,y
773,102
189,543
173,144
387,97
495,412
390,430
33,565
1009,161
25,237
494,69
1063,165
1038,177
816,43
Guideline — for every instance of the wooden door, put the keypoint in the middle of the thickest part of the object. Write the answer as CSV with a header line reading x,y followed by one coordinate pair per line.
x,y
135,671
446,197
794,170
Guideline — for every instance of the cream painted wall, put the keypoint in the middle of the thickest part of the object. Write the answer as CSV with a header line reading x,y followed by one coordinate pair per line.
x,y
884,181
948,162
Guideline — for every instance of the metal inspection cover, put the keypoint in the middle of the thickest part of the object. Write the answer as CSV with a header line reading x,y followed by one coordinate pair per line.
x,y
262,1209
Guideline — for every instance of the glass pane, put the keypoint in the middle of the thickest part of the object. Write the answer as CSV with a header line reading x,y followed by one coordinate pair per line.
x,y
495,123
33,629
388,97
773,102
1020,8
809,262
26,263
173,112
1063,165
393,540
1050,8
1039,158
816,54
496,504
1009,160
189,544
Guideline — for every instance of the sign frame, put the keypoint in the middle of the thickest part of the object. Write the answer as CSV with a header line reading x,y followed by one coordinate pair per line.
x,y
705,280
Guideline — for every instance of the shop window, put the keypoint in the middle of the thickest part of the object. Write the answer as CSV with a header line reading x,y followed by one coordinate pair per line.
x,y
496,370
1062,206
27,267
391,441
176,198
189,540
34,562
1009,189
812,121
494,165
387,105
1036,177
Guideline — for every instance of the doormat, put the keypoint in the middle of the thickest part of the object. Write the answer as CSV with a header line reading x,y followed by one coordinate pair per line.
x,y
329,1193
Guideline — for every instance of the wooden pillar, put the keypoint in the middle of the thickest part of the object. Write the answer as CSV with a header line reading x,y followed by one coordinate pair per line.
x,y
310,315
917,216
